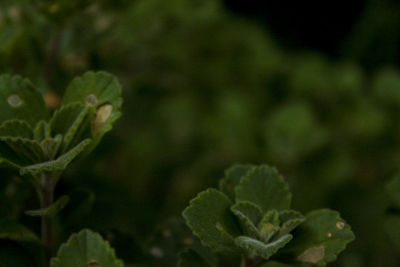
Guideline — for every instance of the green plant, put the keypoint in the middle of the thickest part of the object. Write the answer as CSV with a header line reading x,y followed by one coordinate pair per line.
x,y
250,216
40,146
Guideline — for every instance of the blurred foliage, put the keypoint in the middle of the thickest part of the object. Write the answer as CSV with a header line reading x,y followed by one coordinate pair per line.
x,y
205,88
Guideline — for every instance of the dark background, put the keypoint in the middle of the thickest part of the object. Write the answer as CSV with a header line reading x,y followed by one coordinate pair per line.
x,y
312,88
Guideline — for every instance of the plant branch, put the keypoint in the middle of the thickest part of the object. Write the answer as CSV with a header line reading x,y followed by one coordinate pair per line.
x,y
47,186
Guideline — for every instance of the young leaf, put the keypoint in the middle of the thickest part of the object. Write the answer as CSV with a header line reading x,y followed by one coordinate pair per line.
x,y
249,216
24,149
41,131
264,187
232,178
290,219
51,210
16,128
51,146
68,121
265,250
269,225
58,164
20,100
320,238
211,220
101,91
86,249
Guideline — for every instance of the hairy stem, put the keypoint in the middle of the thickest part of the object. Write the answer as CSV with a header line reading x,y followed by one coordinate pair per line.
x,y
47,186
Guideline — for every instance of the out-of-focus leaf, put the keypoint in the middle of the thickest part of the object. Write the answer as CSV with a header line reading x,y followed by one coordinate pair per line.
x,y
16,128
190,258
393,187
13,230
51,210
86,248
20,100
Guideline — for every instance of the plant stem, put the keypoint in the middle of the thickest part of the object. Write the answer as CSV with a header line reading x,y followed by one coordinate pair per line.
x,y
47,186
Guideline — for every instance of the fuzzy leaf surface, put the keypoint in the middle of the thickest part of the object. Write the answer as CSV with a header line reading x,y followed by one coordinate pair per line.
x,y
16,128
101,91
265,187
86,248
211,220
20,100
68,121
265,250
249,216
232,178
58,164
320,238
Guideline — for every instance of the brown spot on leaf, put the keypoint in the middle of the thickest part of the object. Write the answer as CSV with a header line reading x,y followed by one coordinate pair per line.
x,y
91,100
14,101
340,225
93,263
312,255
102,114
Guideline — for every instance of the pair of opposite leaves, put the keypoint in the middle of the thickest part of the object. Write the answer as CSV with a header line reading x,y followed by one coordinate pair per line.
x,y
32,141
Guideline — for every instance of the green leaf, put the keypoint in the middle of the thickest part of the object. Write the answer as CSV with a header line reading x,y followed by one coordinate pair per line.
x,y
264,250
392,227
70,120
86,248
58,164
393,187
249,216
9,33
23,149
41,131
19,246
211,220
51,146
232,178
190,258
320,238
51,210
269,225
20,100
16,128
13,230
264,187
101,91
290,219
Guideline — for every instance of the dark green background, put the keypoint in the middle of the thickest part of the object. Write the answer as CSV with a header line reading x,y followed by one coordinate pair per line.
x,y
312,88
